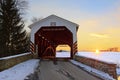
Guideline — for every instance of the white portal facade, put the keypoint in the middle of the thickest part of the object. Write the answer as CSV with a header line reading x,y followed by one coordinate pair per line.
x,y
54,20
52,23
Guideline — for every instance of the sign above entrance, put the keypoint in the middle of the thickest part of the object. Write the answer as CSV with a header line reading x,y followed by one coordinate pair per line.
x,y
53,29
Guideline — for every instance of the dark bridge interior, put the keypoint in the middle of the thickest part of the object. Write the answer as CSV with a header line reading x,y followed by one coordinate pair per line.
x,y
47,38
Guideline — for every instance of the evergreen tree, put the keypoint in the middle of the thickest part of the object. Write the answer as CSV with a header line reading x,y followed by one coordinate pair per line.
x,y
14,38
2,40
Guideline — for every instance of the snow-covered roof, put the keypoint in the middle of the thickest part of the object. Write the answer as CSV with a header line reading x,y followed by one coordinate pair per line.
x,y
52,16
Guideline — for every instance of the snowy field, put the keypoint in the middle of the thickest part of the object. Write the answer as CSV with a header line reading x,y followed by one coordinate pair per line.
x,y
63,54
20,71
109,57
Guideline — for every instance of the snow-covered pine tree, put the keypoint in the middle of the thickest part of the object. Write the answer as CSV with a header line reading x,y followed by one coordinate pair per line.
x,y
13,34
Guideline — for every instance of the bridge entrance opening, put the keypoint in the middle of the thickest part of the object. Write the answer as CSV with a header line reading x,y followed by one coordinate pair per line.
x,y
63,51
48,39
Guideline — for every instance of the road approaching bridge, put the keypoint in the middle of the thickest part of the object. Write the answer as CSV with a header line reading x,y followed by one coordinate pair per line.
x,y
63,70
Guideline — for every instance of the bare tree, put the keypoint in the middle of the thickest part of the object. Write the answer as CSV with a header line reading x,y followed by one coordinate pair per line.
x,y
35,19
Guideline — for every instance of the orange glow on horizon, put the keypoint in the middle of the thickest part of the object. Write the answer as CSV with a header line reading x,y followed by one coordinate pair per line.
x,y
88,41
63,47
97,51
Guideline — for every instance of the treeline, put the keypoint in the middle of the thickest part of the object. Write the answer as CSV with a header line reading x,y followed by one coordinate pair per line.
x,y
13,37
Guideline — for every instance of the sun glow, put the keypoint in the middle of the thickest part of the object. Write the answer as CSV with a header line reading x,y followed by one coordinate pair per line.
x,y
97,51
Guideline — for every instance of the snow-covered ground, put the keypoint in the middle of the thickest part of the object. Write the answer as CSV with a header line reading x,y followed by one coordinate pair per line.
x,y
63,54
96,72
20,71
109,57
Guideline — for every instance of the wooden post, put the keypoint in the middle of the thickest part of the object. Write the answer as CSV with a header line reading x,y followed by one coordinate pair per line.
x,y
71,52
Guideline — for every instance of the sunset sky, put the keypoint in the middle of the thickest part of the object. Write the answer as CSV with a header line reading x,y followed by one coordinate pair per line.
x,y
99,20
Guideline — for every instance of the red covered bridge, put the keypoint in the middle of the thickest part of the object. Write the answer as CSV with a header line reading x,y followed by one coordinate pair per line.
x,y
50,32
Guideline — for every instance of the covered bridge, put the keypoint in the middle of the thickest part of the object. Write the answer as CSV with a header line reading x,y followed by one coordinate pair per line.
x,y
48,33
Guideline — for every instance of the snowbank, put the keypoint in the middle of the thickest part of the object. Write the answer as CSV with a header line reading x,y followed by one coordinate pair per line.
x,y
110,57
96,72
20,71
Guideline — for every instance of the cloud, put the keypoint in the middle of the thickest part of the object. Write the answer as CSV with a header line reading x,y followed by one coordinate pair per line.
x,y
99,35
